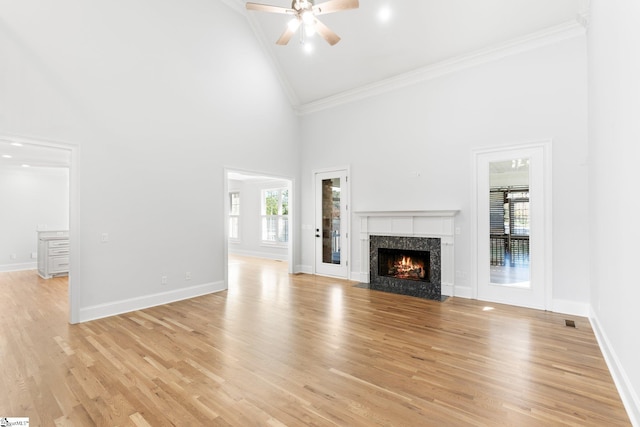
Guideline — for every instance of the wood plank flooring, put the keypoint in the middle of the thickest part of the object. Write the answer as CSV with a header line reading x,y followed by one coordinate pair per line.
x,y
281,350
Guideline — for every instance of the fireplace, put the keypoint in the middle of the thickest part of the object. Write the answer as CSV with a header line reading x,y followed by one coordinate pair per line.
x,y
406,265
434,230
403,264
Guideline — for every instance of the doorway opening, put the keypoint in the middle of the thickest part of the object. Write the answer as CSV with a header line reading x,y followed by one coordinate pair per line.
x,y
41,188
259,213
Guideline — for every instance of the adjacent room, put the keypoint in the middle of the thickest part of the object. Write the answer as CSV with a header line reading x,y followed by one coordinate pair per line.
x,y
338,212
34,188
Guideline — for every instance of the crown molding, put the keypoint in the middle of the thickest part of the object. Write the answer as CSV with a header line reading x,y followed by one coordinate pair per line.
x,y
532,41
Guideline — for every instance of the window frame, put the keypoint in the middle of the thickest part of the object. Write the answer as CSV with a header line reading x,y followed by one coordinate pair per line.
x,y
234,216
281,234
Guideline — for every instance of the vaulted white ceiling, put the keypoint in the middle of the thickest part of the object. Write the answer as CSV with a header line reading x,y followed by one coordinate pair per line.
x,y
420,38
417,34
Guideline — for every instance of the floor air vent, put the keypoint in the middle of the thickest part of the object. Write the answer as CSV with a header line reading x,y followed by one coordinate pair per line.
x,y
570,323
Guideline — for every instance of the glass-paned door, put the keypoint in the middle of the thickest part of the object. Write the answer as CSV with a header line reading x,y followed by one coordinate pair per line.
x,y
513,207
331,230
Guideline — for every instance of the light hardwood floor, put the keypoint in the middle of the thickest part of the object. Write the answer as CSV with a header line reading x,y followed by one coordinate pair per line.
x,y
297,350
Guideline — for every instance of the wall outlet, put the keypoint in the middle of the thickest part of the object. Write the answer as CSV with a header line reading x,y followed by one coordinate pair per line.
x,y
187,275
163,280
34,255
13,256
104,237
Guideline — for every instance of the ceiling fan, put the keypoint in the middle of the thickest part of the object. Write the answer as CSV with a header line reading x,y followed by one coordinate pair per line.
x,y
305,13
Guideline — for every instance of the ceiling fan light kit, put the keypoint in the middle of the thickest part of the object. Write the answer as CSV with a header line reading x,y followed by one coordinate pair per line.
x,y
305,13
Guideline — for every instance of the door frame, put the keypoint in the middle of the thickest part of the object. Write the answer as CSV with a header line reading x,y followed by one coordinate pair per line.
x,y
74,215
547,247
347,170
292,216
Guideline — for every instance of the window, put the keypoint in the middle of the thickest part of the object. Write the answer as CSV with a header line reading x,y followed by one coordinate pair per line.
x,y
275,219
234,216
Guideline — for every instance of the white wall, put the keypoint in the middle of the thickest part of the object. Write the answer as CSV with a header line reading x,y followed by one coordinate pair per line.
x,y
614,144
157,100
32,198
432,128
250,222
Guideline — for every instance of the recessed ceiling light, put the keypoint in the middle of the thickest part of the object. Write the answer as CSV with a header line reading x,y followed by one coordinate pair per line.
x,y
16,144
384,14
7,156
26,166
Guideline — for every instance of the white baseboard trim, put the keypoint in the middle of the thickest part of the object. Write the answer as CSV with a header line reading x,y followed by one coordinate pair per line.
x,y
305,269
139,303
570,307
19,267
628,395
258,254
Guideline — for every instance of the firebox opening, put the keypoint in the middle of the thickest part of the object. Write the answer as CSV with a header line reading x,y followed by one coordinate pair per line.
x,y
404,264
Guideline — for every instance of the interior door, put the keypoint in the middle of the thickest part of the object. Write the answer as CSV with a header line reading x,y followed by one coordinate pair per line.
x,y
332,224
513,261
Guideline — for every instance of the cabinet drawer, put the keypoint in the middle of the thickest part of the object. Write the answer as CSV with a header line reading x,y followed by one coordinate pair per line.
x,y
59,264
58,251
58,243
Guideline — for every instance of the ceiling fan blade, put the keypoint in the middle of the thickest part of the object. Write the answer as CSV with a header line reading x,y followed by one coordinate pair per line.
x,y
326,33
268,8
335,6
292,27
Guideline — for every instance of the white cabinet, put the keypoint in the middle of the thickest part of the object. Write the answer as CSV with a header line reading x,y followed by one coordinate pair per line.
x,y
53,253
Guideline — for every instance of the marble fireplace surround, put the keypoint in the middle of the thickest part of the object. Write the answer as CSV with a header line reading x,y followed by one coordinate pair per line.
x,y
433,223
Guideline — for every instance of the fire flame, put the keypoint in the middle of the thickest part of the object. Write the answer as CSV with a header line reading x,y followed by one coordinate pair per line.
x,y
407,268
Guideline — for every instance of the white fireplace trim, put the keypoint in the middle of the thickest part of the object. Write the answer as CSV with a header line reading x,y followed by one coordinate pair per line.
x,y
434,223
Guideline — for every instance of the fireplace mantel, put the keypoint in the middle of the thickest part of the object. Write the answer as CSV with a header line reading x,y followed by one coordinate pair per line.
x,y
427,223
440,213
